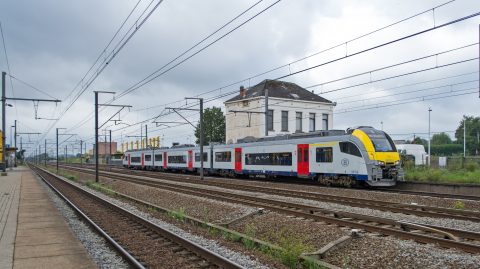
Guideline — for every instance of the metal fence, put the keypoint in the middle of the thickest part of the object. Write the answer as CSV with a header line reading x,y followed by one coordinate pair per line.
x,y
457,162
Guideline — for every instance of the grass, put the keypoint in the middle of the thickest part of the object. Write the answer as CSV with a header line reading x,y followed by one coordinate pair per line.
x,y
469,174
459,205
250,230
179,215
100,187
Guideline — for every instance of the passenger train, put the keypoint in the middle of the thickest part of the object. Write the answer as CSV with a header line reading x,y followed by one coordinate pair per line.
x,y
356,157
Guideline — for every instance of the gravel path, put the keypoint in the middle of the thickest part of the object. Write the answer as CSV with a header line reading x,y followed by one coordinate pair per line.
x,y
212,245
97,247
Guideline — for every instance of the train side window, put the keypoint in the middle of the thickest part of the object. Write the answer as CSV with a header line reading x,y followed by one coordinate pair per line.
x,y
135,159
324,155
177,159
158,157
148,158
225,156
305,154
277,158
197,157
349,148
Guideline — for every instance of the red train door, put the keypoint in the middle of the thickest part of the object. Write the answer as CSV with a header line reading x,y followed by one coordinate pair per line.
x,y
164,160
190,160
143,160
238,160
128,158
302,160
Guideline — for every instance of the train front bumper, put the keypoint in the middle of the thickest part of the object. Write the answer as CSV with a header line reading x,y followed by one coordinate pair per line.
x,y
385,176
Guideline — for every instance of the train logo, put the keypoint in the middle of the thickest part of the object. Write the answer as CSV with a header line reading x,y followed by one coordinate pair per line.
x,y
344,162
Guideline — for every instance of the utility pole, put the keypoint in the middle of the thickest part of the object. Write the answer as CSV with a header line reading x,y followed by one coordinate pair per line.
x,y
66,154
110,147
15,145
81,154
96,126
39,153
146,136
266,112
4,163
202,131
464,137
45,161
429,156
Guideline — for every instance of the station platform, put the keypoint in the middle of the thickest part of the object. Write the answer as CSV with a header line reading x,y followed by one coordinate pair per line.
x,y
33,233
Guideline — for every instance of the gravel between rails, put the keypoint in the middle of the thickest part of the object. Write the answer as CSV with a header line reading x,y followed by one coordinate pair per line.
x,y
451,223
97,247
211,245
368,251
359,193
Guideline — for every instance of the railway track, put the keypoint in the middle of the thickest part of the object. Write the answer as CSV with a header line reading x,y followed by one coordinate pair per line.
x,y
444,237
142,243
411,209
309,182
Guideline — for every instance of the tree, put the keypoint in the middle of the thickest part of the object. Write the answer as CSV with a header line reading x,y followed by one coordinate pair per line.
x,y
420,141
472,134
441,139
214,126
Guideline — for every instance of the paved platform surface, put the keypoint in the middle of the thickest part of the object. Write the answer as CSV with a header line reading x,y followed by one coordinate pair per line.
x,y
42,238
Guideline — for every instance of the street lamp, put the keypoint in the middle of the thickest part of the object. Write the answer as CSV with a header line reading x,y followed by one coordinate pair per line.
x,y
429,156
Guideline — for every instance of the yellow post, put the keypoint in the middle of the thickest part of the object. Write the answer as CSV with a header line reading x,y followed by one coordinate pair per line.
x,y
141,142
122,148
158,141
126,145
131,145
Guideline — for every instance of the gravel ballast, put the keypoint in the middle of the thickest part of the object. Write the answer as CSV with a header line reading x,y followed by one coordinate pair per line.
x,y
211,245
97,247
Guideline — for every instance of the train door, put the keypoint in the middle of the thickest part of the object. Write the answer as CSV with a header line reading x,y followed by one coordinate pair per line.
x,y
190,160
164,160
302,160
143,160
128,159
238,160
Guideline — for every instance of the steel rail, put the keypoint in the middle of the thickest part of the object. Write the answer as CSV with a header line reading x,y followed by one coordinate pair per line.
x,y
185,243
318,214
411,209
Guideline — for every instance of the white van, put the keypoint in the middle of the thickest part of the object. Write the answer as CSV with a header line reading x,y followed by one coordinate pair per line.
x,y
415,150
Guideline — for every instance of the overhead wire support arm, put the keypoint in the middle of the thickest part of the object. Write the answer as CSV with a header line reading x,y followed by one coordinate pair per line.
x,y
117,113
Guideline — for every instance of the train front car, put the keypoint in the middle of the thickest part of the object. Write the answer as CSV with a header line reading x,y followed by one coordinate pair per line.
x,y
383,160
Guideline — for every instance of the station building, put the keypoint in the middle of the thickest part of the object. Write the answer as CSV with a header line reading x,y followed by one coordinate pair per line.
x,y
291,109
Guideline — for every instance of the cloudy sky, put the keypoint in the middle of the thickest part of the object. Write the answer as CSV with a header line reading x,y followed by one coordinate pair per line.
x,y
51,45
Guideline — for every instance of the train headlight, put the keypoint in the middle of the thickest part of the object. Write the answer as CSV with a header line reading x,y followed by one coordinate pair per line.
x,y
380,163
397,162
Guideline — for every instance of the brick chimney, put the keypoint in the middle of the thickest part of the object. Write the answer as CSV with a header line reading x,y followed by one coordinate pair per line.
x,y
242,92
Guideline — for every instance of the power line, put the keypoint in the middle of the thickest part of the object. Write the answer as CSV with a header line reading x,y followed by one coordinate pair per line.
x,y
31,86
127,37
155,74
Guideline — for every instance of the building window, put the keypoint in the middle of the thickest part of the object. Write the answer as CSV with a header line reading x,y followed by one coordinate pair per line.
x,y
324,155
299,121
285,121
312,122
270,120
325,121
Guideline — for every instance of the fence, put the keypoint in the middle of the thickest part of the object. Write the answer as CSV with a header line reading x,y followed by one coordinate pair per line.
x,y
456,162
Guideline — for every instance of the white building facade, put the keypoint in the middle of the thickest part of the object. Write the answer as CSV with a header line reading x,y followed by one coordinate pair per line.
x,y
291,109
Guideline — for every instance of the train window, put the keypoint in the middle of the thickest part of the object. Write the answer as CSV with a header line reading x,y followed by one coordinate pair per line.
x,y
280,158
148,158
349,148
177,159
158,157
325,155
225,156
135,159
197,157
305,154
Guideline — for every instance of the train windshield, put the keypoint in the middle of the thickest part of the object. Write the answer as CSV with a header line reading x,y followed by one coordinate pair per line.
x,y
381,141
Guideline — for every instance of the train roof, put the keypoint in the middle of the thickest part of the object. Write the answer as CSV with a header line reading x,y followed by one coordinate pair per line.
x,y
250,139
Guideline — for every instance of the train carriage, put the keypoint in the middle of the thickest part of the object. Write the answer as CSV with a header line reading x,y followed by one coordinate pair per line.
x,y
357,156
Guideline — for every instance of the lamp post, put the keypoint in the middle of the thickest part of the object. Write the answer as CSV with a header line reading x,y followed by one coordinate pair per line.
x,y
429,156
